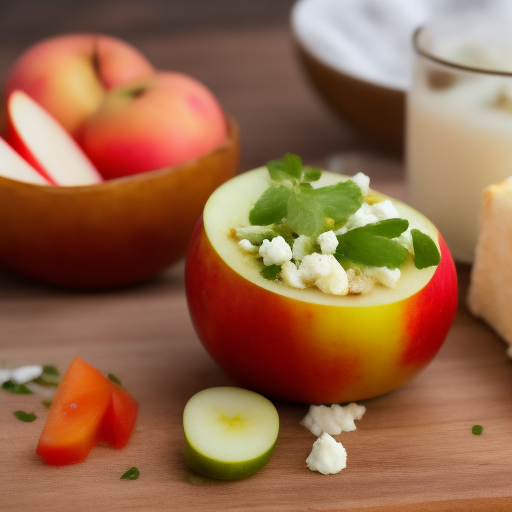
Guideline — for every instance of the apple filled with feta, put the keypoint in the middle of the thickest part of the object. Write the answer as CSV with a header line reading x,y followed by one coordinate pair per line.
x,y
310,287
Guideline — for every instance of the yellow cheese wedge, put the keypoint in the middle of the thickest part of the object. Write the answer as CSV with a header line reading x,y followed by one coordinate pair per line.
x,y
490,291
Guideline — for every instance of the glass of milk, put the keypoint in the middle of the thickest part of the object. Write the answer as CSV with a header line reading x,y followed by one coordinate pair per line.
x,y
459,120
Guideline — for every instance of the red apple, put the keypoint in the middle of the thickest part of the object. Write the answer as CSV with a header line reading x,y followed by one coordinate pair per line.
x,y
45,144
304,345
157,121
69,74
14,167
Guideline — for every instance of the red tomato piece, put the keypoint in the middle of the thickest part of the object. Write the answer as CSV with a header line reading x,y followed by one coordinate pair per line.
x,y
73,425
120,417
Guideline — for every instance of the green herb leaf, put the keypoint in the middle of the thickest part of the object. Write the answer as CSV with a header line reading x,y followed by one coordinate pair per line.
x,y
256,234
49,377
288,168
113,378
426,253
47,403
314,211
132,474
271,272
477,430
372,245
16,389
25,416
271,207
311,174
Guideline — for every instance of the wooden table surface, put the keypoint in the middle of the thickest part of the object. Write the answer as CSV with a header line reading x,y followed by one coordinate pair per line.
x,y
413,450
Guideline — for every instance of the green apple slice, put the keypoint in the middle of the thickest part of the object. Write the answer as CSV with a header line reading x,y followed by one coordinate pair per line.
x,y
230,433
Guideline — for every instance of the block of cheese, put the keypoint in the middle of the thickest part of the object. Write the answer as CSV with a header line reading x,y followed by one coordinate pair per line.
x,y
490,291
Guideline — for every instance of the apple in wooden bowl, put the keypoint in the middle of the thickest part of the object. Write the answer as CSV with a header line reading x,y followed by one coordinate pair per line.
x,y
107,196
297,342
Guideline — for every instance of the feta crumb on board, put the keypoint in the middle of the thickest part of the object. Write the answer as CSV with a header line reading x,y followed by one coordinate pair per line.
x,y
22,374
327,456
333,420
275,251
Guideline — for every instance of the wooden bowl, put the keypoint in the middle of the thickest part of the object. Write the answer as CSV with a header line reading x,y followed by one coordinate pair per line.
x,y
376,111
120,232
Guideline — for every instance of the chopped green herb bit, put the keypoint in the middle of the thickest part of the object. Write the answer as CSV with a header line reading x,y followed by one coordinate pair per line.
x,y
25,416
477,430
47,403
372,245
132,474
50,370
312,174
271,272
312,211
271,207
49,377
288,168
16,389
113,378
426,253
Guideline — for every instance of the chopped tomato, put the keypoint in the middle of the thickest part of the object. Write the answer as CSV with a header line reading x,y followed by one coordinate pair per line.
x,y
120,417
87,409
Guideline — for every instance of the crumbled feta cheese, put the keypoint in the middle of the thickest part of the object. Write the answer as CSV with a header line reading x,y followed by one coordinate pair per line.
x,y
291,275
362,217
362,181
325,272
359,283
25,374
5,375
332,420
384,275
328,242
301,247
327,456
246,245
275,251
385,210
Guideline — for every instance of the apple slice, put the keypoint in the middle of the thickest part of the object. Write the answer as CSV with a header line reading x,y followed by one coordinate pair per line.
x,y
45,144
14,167
230,433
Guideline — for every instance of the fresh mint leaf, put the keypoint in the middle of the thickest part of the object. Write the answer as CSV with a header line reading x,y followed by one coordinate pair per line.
x,y
16,389
288,168
311,174
271,207
271,272
27,417
314,211
50,370
426,253
372,245
47,403
132,474
114,379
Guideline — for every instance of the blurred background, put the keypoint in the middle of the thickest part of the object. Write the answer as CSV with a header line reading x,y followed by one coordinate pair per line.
x,y
243,51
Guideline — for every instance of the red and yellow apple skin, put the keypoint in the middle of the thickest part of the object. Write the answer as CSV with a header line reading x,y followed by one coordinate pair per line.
x,y
160,120
312,352
69,74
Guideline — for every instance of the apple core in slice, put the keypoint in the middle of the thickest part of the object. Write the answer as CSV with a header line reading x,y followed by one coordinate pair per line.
x,y
230,432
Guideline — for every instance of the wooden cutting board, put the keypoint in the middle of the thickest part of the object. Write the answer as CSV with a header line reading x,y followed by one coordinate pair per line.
x,y
412,451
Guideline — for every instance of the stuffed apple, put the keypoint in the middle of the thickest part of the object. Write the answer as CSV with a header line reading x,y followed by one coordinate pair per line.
x,y
308,286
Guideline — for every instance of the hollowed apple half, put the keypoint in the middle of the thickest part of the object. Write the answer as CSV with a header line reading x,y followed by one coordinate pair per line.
x,y
115,233
304,345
